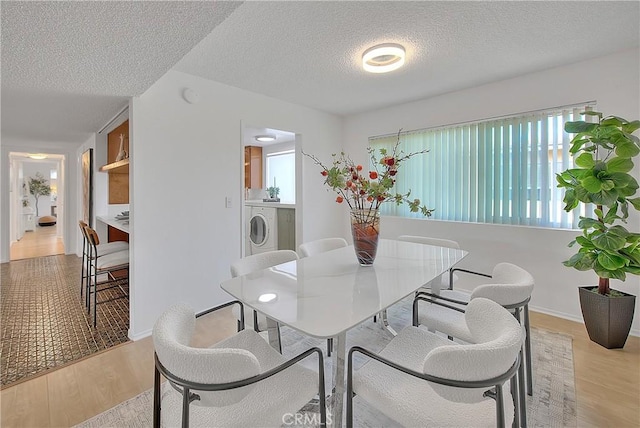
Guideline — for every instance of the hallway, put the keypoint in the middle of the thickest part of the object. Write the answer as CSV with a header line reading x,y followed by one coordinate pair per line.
x,y
43,241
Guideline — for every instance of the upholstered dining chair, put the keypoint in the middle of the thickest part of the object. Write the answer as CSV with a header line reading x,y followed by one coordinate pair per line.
x,y
103,269
253,263
102,249
422,379
509,285
446,280
240,381
312,248
320,246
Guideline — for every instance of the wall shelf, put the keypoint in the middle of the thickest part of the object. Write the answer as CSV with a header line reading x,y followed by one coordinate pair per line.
x,y
119,167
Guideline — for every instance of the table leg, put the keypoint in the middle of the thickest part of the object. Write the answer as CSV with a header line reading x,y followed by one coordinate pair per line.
x,y
384,322
273,330
338,357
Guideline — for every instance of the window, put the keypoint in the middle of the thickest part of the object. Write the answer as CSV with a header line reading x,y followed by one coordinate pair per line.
x,y
495,171
281,172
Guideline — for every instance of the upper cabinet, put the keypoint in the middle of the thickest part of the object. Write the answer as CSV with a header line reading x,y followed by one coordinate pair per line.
x,y
118,164
253,167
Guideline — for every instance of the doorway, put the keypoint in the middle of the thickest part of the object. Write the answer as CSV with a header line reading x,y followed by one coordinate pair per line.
x,y
271,192
36,205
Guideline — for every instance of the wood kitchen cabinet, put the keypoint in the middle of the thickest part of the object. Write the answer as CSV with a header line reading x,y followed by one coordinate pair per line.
x,y
253,167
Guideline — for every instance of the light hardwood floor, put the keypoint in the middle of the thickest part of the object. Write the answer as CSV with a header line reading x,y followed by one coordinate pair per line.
x,y
607,381
43,241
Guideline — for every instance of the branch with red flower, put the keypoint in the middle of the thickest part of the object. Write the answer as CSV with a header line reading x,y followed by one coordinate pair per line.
x,y
368,190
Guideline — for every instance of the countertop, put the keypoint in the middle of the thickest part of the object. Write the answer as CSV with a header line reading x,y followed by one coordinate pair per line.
x,y
260,203
122,225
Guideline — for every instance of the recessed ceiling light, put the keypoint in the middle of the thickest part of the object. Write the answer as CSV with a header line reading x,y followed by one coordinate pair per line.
x,y
38,156
265,138
383,58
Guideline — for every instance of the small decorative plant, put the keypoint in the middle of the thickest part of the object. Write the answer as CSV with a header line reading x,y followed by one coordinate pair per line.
x,y
273,192
368,190
39,186
603,154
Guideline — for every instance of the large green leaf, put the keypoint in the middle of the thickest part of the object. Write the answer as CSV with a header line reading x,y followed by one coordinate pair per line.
x,y
620,179
582,261
587,223
627,149
584,242
611,261
608,241
618,230
619,164
603,272
635,202
591,184
605,197
579,126
585,160
631,126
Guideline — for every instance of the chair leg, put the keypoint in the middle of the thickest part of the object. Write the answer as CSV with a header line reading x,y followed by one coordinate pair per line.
x,y
521,380
349,393
156,398
513,383
329,346
528,361
499,407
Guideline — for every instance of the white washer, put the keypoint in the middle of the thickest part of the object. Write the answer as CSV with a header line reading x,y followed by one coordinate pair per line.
x,y
262,229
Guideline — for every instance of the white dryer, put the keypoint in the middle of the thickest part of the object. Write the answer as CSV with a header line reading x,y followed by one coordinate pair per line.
x,y
262,229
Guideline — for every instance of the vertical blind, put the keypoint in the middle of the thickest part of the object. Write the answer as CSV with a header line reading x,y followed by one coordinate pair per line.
x,y
496,171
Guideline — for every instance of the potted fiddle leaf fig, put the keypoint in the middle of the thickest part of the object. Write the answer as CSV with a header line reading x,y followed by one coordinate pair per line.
x,y
603,153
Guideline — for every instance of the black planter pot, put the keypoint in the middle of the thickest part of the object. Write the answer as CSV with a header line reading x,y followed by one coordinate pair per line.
x,y
607,319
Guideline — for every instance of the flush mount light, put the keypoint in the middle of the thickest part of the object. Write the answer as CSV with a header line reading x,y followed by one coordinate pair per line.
x,y
38,156
383,58
265,138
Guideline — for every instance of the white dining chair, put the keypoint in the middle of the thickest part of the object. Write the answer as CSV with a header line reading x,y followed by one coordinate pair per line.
x,y
509,285
321,245
249,264
421,379
446,280
240,381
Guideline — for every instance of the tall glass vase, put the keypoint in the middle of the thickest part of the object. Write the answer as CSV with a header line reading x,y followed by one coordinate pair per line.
x,y
365,229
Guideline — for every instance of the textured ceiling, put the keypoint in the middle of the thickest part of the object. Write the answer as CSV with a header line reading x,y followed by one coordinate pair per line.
x,y
68,67
309,53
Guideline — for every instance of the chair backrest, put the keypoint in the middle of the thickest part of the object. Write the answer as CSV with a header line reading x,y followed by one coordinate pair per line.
x,y
510,285
498,337
430,241
321,245
172,334
92,236
261,261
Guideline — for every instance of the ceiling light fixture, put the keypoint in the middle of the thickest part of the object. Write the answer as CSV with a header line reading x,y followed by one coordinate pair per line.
x,y
383,58
38,156
265,138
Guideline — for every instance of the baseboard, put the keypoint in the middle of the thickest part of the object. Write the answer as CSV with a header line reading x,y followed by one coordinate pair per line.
x,y
138,336
633,332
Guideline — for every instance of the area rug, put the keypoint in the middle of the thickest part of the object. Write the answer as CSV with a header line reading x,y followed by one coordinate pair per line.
x,y
553,403
44,321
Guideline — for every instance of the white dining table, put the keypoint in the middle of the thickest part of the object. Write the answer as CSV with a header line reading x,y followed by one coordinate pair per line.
x,y
325,295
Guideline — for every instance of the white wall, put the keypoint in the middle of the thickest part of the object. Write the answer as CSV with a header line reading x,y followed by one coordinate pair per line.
x,y
185,158
613,81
